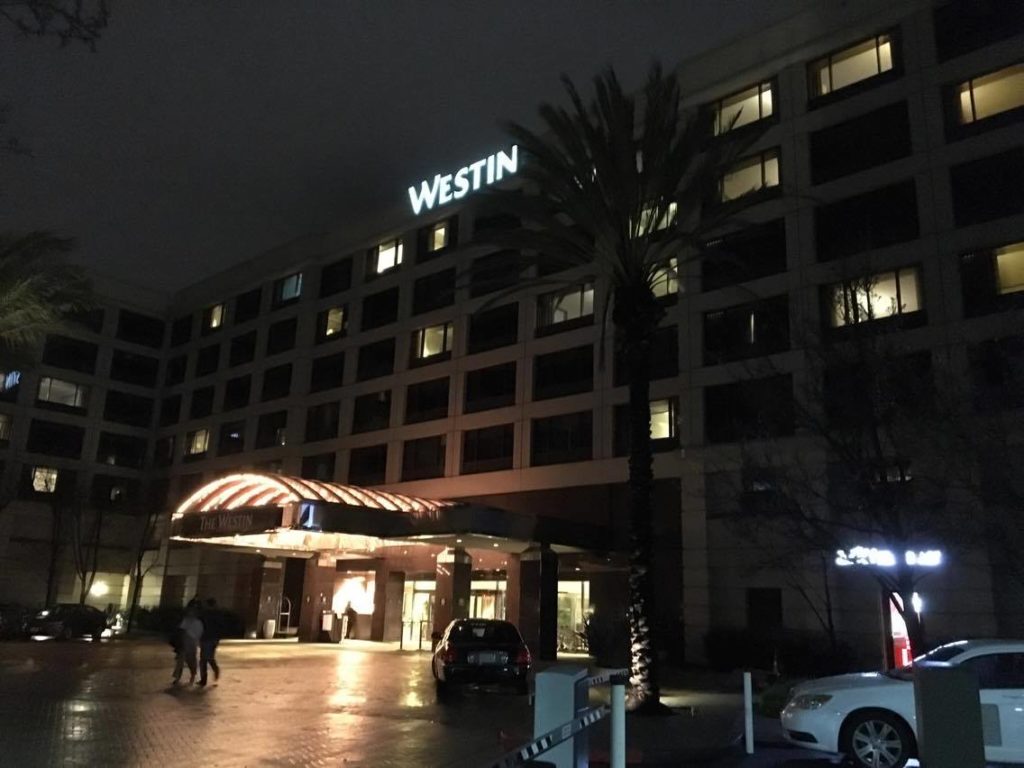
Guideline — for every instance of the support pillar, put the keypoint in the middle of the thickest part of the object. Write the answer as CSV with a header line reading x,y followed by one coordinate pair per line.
x,y
451,593
267,594
317,595
538,601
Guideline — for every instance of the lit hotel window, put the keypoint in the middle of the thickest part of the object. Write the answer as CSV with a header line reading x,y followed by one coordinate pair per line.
x,y
743,108
565,305
44,479
1010,268
437,237
432,341
988,95
334,322
214,317
60,392
389,256
876,297
197,442
648,225
663,419
852,65
665,280
5,427
9,381
288,289
750,175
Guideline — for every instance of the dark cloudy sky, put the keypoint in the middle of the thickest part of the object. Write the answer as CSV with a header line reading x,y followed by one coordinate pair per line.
x,y
201,133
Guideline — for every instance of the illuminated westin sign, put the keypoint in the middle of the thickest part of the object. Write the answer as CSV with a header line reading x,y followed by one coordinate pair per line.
x,y
887,559
455,186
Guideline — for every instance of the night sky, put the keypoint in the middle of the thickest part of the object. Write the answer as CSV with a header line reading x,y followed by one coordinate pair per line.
x,y
202,133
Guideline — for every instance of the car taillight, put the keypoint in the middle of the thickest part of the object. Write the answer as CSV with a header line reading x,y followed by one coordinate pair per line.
x,y
448,655
523,657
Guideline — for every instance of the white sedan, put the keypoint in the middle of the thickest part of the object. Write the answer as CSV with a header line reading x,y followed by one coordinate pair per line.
x,y
871,717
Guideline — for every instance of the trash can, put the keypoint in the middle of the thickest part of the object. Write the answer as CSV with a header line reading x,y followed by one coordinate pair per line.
x,y
269,629
330,628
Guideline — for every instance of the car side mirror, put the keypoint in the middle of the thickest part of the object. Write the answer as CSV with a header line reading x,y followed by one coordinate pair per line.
x,y
436,636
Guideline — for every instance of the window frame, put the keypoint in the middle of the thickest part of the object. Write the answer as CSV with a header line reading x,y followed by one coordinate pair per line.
x,y
814,68
716,107
419,338
546,305
280,284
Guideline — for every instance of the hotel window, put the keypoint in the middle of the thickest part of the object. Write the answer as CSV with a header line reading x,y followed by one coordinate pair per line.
x,y
125,408
336,277
494,272
375,360
987,95
318,467
491,387
426,400
876,297
560,439
53,439
993,279
753,174
44,479
170,410
10,385
196,442
277,382
213,317
236,392
878,137
163,452
748,330
435,238
281,336
287,289
247,305
996,369
423,458
565,372
962,26
272,429
70,354
181,330
1010,268
433,291
432,342
322,421
201,405
664,357
5,427
385,256
488,450
664,426
665,280
379,309
243,349
875,219
743,108
207,360
327,372
331,324
134,369
988,188
140,329
121,450
62,393
851,65
563,306
493,328
748,254
371,412
648,224
174,373
750,409
368,465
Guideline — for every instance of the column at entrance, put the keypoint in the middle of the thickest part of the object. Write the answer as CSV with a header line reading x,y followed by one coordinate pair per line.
x,y
451,591
538,601
317,594
267,603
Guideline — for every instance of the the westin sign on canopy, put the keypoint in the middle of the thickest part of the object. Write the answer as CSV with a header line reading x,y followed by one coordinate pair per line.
x,y
454,186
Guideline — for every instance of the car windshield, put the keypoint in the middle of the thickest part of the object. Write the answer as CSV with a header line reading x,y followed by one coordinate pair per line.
x,y
944,653
489,631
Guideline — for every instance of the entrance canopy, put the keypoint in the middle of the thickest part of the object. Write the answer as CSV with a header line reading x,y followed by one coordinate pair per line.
x,y
278,513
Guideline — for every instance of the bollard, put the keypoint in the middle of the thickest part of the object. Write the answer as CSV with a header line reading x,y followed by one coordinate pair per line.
x,y
618,724
748,713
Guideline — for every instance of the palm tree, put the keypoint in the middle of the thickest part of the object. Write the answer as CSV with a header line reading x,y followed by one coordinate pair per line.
x,y
614,187
38,291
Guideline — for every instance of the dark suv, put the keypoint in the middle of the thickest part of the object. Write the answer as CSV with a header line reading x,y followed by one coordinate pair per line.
x,y
481,651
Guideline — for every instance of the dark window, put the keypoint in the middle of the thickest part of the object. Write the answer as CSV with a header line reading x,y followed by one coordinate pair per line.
x,y
992,280
72,354
231,439
997,373
163,452
236,392
336,277
287,290
327,372
491,387
170,410
90,319
110,491
875,138
488,450
437,238
331,323
566,372
494,272
247,305
368,466
243,349
140,329
322,421
380,309
749,330
851,390
754,408
128,409
134,369
181,331
375,360
54,439
318,467
423,458
202,403
281,336
495,222
277,382
207,360
764,609
664,357
433,291
966,25
997,671
560,439
989,188
175,372
874,219
372,411
745,255
426,400
664,426
272,429
493,328
121,450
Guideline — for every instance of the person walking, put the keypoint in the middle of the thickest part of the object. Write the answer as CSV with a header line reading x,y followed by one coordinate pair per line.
x,y
213,630
350,623
189,631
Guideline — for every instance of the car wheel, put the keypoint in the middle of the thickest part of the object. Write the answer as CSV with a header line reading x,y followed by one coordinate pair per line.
x,y
65,633
877,739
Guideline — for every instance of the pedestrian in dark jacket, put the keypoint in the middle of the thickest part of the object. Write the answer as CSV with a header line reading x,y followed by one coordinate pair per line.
x,y
213,630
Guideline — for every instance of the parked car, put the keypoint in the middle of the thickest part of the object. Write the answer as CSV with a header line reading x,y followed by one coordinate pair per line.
x,y
871,718
14,621
67,620
481,651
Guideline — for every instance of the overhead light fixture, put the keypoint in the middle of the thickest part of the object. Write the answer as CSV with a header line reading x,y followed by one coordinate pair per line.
x,y
495,544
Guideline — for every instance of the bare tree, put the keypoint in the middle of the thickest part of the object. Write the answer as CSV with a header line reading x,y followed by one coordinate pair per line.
x,y
144,545
86,531
66,20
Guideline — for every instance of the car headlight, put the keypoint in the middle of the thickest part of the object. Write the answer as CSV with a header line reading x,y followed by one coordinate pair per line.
x,y
810,701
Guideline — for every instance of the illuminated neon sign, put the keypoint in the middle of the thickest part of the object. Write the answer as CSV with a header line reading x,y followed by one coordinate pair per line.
x,y
885,558
455,186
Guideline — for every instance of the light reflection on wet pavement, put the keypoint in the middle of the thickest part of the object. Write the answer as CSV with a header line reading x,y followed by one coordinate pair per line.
x,y
80,704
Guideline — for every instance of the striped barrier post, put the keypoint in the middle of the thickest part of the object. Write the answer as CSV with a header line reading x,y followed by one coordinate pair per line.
x,y
547,741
